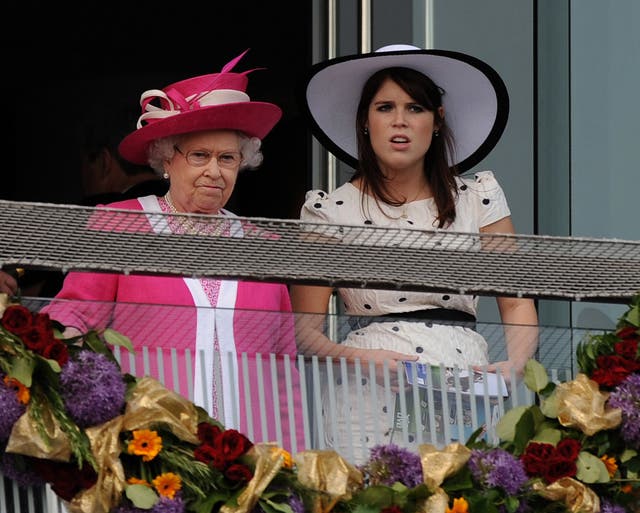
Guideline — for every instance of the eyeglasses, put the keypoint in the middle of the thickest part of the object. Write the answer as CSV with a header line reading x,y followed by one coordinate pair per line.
x,y
199,158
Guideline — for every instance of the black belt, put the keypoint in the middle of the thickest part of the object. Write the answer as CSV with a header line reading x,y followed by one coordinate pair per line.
x,y
431,315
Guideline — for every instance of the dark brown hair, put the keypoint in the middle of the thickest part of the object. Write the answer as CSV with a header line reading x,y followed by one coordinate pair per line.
x,y
439,175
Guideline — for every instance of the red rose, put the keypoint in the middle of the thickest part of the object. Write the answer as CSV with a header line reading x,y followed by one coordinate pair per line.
x,y
627,348
535,458
613,369
211,456
56,350
233,444
17,319
43,320
568,448
208,433
557,468
36,339
238,473
628,332
65,478
392,509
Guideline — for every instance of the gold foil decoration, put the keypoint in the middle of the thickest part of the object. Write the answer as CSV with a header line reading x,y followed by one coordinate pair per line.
x,y
26,439
150,403
582,405
4,302
437,464
436,503
269,461
107,492
577,497
327,472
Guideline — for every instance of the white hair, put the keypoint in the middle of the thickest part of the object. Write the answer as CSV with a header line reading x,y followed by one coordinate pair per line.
x,y
163,149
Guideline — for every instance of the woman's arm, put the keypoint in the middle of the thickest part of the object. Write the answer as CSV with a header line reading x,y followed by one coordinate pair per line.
x,y
310,304
519,317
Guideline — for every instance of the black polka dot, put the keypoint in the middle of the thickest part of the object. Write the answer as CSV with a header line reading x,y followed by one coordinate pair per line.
x,y
368,221
317,205
339,381
463,187
321,194
459,351
428,324
409,221
402,299
395,328
384,409
485,201
339,202
364,381
346,306
366,438
359,333
367,306
419,349
411,438
446,297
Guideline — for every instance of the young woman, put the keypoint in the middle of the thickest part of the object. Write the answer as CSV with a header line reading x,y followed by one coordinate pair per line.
x,y
409,121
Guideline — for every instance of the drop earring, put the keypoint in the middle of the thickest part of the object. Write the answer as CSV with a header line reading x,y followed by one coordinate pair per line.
x,y
365,131
436,133
165,175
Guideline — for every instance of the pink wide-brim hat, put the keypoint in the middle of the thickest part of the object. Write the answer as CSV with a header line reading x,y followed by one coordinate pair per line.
x,y
208,102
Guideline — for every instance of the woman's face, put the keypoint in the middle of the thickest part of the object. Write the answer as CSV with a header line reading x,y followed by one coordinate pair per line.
x,y
204,187
400,129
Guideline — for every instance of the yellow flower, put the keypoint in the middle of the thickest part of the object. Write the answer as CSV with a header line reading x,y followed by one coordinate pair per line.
x,y
610,463
287,459
167,484
22,392
145,443
135,480
459,506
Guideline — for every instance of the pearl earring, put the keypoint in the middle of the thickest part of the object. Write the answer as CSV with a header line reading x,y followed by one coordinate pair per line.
x,y
365,131
436,133
165,175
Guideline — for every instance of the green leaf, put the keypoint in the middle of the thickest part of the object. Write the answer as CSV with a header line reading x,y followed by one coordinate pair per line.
x,y
549,406
22,370
548,435
270,506
506,428
116,338
535,376
142,496
526,428
591,469
633,316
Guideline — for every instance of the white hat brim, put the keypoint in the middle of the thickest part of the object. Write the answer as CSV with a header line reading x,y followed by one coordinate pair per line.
x,y
476,101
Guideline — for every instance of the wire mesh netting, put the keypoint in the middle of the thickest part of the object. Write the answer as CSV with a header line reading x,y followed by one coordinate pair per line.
x,y
68,237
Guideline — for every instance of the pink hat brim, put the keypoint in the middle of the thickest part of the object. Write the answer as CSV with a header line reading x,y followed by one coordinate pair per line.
x,y
255,119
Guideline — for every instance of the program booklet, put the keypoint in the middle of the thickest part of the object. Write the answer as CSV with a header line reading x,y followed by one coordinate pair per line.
x,y
474,383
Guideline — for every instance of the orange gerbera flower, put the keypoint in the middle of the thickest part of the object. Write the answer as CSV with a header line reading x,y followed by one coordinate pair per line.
x,y
145,443
459,506
22,393
610,463
167,484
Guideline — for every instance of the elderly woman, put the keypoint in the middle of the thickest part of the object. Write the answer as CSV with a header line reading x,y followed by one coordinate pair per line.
x,y
198,134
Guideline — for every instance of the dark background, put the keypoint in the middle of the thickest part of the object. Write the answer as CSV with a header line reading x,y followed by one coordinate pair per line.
x,y
62,65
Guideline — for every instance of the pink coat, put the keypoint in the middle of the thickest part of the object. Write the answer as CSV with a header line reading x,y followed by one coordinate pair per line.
x,y
253,323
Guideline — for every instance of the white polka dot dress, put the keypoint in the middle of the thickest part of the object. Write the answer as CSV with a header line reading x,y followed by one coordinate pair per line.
x,y
480,202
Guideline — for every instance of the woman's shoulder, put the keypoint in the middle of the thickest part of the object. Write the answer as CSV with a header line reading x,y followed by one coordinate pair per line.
x,y
329,206
128,204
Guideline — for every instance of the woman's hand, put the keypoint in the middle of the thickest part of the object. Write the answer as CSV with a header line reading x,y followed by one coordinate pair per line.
x,y
8,284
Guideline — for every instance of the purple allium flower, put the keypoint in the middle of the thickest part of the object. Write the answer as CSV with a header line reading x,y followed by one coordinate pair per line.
x,y
497,468
92,388
167,505
11,409
626,396
296,503
607,506
16,467
389,464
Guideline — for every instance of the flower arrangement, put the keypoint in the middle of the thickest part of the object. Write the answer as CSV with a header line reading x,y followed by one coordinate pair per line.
x,y
108,442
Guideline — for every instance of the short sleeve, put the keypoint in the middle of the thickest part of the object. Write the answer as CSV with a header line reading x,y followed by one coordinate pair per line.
x,y
492,204
316,211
